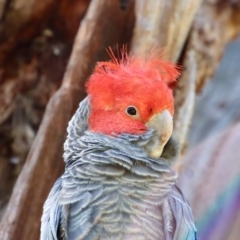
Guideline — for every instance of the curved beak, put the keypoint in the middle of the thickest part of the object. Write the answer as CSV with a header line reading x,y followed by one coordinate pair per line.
x,y
162,124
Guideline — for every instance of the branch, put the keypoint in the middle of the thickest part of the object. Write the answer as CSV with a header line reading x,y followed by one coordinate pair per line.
x,y
208,38
2,7
185,98
164,24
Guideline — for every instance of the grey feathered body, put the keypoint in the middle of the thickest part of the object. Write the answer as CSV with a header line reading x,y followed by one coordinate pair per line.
x,y
111,189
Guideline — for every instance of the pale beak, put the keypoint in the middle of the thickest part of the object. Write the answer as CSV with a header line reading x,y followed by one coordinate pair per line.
x,y
162,124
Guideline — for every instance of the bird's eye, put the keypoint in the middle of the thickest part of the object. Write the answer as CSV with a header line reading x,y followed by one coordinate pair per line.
x,y
132,111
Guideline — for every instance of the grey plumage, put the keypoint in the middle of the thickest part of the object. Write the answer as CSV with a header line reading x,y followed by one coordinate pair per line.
x,y
112,189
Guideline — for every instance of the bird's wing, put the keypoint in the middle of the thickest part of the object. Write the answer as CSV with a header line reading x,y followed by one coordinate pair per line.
x,y
184,228
54,213
78,197
51,214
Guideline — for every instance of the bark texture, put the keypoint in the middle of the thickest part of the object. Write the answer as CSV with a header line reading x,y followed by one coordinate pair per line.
x,y
163,24
214,200
33,57
210,173
215,24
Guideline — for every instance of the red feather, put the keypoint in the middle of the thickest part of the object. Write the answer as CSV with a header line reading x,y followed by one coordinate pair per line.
x,y
131,81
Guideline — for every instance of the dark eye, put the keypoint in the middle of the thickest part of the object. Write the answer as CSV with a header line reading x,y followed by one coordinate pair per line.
x,y
132,111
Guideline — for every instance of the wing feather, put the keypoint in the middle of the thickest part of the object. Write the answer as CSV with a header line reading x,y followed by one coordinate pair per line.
x,y
185,228
51,214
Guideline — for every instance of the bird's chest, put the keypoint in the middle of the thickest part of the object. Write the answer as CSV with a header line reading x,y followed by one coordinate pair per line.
x,y
131,211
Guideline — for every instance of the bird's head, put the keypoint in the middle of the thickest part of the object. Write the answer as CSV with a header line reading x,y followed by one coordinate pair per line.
x,y
131,96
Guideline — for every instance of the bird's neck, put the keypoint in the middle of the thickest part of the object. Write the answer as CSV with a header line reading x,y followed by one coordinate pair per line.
x,y
118,159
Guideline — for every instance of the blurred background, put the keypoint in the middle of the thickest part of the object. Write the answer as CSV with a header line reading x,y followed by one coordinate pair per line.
x,y
48,49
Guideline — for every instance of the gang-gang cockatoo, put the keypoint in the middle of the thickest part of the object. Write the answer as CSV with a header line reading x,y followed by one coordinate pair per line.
x,y
118,181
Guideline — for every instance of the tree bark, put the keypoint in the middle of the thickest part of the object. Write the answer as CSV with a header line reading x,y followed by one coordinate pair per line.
x,y
211,182
214,26
30,73
163,24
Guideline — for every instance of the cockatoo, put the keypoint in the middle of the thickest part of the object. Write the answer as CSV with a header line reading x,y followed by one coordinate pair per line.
x,y
118,181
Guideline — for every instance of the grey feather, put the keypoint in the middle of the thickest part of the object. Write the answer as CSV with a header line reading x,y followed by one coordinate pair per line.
x,y
112,189
51,214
